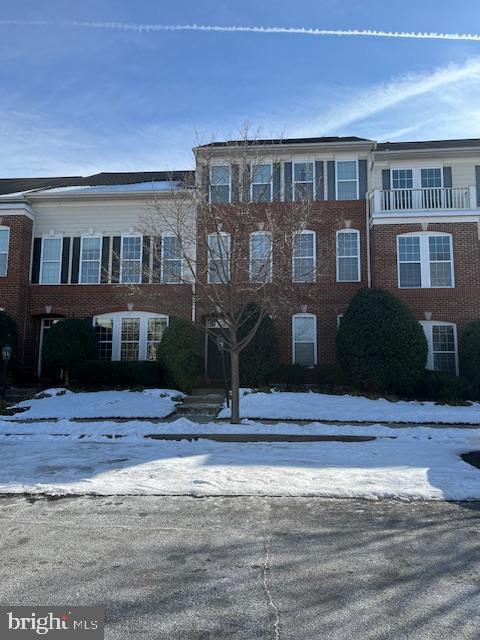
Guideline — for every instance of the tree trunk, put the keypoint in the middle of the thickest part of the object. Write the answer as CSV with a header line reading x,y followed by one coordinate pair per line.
x,y
66,377
235,381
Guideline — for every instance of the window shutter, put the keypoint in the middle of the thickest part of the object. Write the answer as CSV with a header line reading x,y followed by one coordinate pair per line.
x,y
331,180
386,179
447,177
157,259
205,182
105,259
75,259
362,179
319,181
477,180
146,260
287,168
116,248
37,250
276,182
235,183
65,260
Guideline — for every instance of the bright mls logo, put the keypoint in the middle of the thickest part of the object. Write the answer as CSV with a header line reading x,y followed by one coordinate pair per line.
x,y
24,623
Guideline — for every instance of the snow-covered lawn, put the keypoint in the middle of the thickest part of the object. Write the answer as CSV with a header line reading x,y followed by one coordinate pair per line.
x,y
61,404
322,406
407,463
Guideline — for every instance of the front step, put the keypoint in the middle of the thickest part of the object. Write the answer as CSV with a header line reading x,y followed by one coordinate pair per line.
x,y
202,402
197,409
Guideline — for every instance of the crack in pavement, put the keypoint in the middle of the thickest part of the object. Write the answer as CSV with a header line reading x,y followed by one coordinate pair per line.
x,y
267,542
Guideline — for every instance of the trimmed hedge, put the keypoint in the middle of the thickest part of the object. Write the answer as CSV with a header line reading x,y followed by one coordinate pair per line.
x,y
381,347
67,343
8,332
445,387
180,354
106,374
469,352
260,357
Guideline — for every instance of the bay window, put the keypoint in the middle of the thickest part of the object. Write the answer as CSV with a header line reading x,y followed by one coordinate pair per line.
x,y
129,335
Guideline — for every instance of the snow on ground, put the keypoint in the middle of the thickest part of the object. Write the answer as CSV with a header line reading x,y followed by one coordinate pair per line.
x,y
150,403
418,463
321,406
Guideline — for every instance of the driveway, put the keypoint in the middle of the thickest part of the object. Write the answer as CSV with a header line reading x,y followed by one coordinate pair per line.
x,y
185,568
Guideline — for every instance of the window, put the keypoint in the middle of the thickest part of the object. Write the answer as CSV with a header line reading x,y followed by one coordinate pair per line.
x,y
431,178
171,260
91,255
402,179
303,181
4,240
51,263
104,332
304,332
304,257
442,346
347,180
339,320
220,184
131,259
261,183
348,256
155,329
425,261
132,335
260,257
218,258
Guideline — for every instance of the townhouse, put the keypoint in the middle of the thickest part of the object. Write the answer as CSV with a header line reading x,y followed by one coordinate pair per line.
x,y
403,216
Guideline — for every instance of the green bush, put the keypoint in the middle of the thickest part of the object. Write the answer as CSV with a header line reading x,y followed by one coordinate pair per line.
x,y
381,347
180,353
67,343
106,374
293,375
469,353
260,356
8,332
444,387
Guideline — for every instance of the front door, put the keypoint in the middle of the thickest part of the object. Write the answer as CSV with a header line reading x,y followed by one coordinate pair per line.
x,y
214,368
44,370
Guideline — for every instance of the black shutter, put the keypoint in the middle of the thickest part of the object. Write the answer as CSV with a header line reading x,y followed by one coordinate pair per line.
x,y
37,251
276,182
105,259
331,180
235,183
447,177
362,179
75,259
146,260
386,179
65,260
287,172
116,244
157,259
319,181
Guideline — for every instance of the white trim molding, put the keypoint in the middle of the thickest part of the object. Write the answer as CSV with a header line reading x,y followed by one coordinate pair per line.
x,y
313,317
424,260
428,327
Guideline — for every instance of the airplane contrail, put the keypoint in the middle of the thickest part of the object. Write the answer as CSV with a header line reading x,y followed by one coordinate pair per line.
x,y
153,28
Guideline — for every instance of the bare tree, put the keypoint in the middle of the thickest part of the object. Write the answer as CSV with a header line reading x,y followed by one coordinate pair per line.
x,y
229,236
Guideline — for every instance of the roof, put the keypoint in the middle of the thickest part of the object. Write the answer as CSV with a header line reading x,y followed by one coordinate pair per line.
x,y
21,185
286,141
429,144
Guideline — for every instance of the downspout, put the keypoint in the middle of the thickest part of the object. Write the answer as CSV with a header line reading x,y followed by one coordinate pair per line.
x,y
367,228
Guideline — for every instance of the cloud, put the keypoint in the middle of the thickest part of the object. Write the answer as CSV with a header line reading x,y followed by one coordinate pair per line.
x,y
304,31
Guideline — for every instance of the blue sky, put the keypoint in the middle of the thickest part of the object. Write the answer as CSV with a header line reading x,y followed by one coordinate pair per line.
x,y
76,100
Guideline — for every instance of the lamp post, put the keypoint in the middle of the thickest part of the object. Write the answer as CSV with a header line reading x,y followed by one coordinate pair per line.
x,y
221,348
6,355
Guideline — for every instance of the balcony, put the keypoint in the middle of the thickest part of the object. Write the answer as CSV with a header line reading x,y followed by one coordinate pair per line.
x,y
423,200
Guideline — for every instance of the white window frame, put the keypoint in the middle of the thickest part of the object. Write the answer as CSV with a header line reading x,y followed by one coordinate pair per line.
x,y
337,180
302,232
416,176
60,239
99,260
7,253
220,164
338,257
268,273
301,182
425,276
131,235
163,260
427,326
210,259
117,317
305,315
270,182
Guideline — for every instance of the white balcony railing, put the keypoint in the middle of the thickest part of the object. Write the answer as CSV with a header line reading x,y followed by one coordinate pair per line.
x,y
429,199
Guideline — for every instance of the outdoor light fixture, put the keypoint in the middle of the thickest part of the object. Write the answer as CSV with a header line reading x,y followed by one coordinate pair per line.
x,y
6,352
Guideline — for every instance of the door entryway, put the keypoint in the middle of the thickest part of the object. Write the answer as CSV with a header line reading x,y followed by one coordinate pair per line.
x,y
43,370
